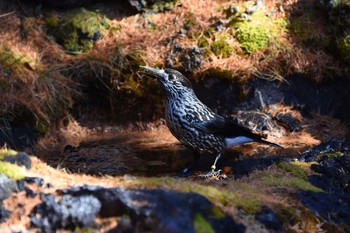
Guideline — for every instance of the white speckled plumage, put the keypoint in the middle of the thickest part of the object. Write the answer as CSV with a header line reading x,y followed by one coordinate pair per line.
x,y
193,123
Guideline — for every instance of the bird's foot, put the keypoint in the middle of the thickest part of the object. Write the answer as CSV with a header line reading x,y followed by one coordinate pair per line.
x,y
216,175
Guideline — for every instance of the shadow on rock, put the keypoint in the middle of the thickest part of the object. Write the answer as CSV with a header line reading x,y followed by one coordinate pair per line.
x,y
333,166
141,211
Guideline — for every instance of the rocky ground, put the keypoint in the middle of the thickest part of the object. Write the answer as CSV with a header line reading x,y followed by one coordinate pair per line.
x,y
84,144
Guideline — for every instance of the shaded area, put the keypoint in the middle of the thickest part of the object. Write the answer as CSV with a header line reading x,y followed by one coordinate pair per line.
x,y
331,97
142,210
333,166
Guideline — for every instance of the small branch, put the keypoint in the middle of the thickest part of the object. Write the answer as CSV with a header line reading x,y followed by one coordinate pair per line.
x,y
7,14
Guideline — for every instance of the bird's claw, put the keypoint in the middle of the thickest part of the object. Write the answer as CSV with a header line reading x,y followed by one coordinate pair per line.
x,y
216,175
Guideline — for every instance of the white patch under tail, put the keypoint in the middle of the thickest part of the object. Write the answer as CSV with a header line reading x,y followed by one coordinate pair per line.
x,y
232,142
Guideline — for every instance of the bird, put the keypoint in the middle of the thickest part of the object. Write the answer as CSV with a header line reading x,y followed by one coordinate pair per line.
x,y
194,124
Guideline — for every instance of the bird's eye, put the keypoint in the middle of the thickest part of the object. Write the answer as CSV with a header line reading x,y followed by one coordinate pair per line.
x,y
171,77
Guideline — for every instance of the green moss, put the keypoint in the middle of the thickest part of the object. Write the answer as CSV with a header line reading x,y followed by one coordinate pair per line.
x,y
201,225
217,72
293,168
43,126
257,33
213,43
220,47
7,152
252,37
52,22
295,182
12,171
343,45
217,212
163,5
77,30
15,61
248,201
334,155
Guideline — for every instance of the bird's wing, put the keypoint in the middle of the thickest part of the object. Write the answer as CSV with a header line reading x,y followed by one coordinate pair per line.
x,y
225,127
229,128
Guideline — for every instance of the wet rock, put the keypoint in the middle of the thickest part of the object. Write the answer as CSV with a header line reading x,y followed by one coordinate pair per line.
x,y
21,159
289,121
269,219
159,210
68,213
7,186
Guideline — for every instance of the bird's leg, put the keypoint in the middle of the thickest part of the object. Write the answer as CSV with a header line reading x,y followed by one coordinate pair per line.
x,y
213,167
185,171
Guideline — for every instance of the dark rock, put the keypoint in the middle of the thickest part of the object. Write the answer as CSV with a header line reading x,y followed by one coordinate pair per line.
x,y
330,147
21,159
4,215
70,149
34,180
67,4
29,192
153,6
336,170
7,186
248,165
49,185
158,210
187,58
20,185
333,208
289,121
257,120
68,213
333,166
298,91
269,219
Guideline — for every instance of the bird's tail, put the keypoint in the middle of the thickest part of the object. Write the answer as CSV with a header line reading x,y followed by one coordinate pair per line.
x,y
267,143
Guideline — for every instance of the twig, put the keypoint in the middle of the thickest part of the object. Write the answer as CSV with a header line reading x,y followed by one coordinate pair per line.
x,y
7,14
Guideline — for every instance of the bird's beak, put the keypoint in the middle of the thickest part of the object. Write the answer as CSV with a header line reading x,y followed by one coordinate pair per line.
x,y
153,72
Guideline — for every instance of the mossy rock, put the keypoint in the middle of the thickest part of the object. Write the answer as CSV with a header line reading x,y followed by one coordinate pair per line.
x,y
12,171
77,31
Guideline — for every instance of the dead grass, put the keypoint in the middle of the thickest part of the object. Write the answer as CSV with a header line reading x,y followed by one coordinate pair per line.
x,y
151,37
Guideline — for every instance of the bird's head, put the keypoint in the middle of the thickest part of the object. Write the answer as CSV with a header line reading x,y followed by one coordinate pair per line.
x,y
173,82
